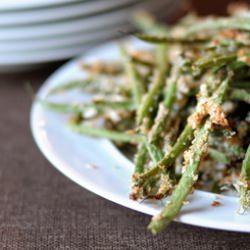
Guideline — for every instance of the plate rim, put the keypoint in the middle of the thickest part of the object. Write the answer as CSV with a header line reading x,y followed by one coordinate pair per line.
x,y
19,48
16,5
79,24
48,15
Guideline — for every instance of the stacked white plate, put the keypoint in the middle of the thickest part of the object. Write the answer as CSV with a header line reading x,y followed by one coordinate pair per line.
x,y
35,32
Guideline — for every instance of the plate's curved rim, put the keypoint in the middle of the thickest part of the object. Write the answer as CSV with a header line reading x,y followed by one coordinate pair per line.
x,y
58,164
81,24
15,5
60,42
61,13
65,27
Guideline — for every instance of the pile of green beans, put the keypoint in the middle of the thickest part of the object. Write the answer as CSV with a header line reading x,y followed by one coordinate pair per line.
x,y
182,106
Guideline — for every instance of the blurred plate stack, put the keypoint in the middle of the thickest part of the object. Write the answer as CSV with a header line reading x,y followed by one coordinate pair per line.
x,y
35,32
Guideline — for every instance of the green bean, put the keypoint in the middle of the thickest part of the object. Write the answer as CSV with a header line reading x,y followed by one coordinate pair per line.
x,y
182,142
214,60
218,156
155,152
134,78
171,93
77,84
163,111
137,84
143,62
105,133
220,93
140,158
142,151
220,23
137,91
245,180
160,124
83,107
185,184
144,111
241,95
150,101
169,39
106,69
190,175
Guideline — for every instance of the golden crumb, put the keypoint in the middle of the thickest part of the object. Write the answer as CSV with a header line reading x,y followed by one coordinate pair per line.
x,y
230,33
216,204
162,112
131,132
165,186
188,157
144,55
207,106
243,56
101,68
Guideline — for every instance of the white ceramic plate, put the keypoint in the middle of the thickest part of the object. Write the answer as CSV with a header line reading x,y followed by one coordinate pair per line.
x,y
16,62
30,54
6,5
71,153
11,50
79,25
78,9
17,47
62,28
